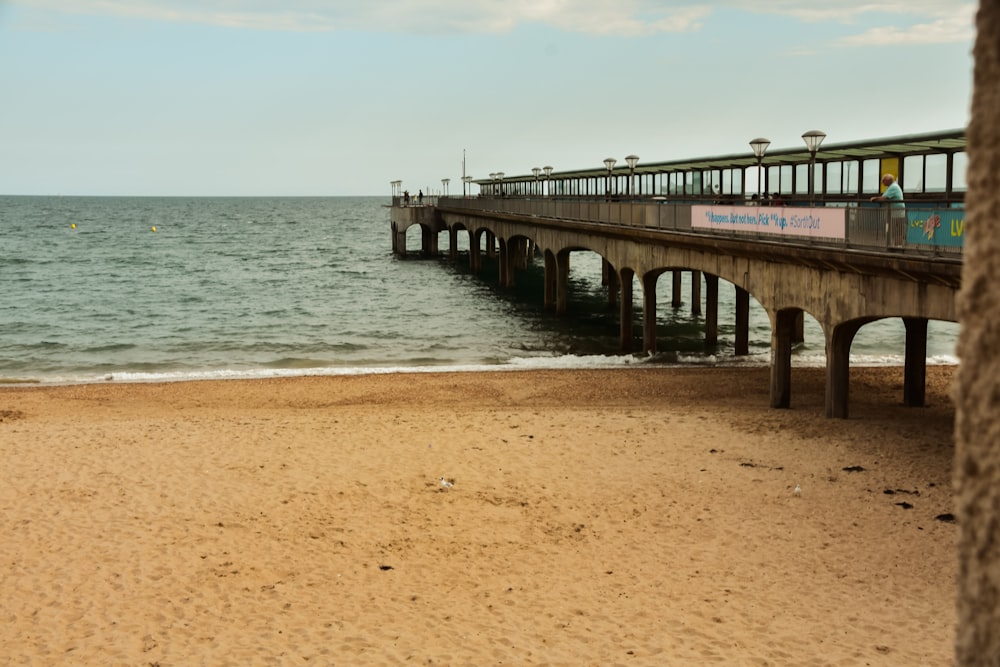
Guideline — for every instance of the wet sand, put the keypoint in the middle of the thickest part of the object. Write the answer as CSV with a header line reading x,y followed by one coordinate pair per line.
x,y
632,517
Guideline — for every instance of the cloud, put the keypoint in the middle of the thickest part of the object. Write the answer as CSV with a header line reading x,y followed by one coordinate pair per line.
x,y
952,29
890,22
617,17
910,22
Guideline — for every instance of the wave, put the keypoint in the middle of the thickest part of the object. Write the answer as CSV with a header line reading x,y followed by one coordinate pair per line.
x,y
291,368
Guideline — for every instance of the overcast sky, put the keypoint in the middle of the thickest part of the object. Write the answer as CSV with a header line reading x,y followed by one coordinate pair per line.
x,y
339,97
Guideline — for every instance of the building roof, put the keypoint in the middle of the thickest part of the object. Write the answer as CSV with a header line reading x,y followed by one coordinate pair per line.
x,y
914,144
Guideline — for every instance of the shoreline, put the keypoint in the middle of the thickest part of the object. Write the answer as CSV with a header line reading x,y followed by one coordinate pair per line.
x,y
598,516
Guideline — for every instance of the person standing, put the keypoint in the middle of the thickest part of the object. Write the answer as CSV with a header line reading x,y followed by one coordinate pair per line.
x,y
896,225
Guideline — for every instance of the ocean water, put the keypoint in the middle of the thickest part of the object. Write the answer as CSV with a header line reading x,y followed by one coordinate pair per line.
x,y
99,289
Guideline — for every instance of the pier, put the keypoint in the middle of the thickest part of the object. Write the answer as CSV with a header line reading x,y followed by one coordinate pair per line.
x,y
828,252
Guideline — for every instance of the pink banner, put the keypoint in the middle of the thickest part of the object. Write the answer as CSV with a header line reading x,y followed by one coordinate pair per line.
x,y
828,222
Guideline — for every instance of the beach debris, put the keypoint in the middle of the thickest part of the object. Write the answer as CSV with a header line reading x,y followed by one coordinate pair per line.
x,y
798,490
892,492
446,484
947,517
385,568
853,469
905,505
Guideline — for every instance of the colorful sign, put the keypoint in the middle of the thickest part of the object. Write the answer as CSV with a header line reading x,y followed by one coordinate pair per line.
x,y
826,222
941,227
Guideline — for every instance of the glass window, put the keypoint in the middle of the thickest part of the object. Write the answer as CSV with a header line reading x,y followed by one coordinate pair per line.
x,y
801,179
850,180
913,174
872,177
833,178
936,173
786,181
959,165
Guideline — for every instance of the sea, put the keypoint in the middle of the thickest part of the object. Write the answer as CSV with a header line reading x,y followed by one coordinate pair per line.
x,y
141,289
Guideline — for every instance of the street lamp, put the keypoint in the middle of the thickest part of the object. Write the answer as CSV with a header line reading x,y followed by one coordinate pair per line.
x,y
610,164
536,171
813,139
759,146
631,160
445,182
548,173
500,179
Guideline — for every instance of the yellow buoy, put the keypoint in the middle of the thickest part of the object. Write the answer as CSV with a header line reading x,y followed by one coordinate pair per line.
x,y
73,226
152,229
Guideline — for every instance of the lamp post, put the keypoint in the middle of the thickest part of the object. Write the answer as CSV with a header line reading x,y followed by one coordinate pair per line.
x,y
500,180
445,182
493,177
610,164
548,173
465,185
759,146
631,161
813,139
536,171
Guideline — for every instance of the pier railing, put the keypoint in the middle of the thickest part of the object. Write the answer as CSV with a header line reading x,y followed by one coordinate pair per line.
x,y
923,229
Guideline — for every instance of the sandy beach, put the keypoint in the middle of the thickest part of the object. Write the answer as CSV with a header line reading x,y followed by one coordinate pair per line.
x,y
626,517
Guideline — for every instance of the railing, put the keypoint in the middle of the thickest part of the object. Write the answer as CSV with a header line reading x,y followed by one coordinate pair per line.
x,y
866,226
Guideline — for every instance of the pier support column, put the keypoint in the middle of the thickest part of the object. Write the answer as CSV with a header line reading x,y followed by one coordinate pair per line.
x,y
491,244
505,265
562,282
696,292
626,312
453,243
549,282
838,367
613,283
428,241
475,254
675,286
781,358
649,313
799,328
398,241
915,364
711,309
742,346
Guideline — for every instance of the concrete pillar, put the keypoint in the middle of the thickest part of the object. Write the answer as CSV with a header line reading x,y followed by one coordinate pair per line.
x,y
626,313
649,313
505,265
977,393
614,285
711,309
453,243
549,281
395,240
838,367
696,292
799,328
475,254
915,365
675,286
491,244
742,346
781,359
428,241
562,282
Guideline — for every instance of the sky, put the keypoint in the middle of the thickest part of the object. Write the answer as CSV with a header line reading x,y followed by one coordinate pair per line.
x,y
340,97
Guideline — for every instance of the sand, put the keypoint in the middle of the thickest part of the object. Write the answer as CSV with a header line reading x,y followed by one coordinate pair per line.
x,y
632,517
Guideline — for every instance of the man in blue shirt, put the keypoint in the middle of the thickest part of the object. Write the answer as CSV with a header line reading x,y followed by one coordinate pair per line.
x,y
896,225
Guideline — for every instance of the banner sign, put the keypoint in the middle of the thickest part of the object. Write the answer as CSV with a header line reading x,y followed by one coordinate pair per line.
x,y
942,227
826,222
